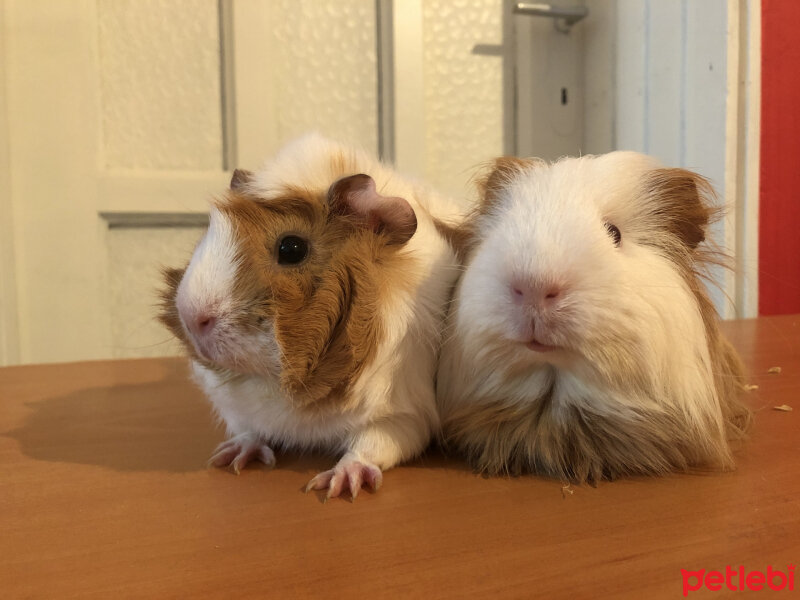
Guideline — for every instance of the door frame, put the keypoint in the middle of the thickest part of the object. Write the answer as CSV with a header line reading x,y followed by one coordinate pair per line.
x,y
9,335
743,154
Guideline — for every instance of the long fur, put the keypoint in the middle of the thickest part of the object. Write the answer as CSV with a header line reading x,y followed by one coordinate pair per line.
x,y
641,380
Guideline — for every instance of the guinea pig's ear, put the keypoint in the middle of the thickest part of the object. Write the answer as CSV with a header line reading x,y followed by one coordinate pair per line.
x,y
240,178
682,203
357,197
501,173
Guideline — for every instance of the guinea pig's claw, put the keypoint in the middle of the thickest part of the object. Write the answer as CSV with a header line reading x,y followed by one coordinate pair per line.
x,y
236,452
350,475
320,481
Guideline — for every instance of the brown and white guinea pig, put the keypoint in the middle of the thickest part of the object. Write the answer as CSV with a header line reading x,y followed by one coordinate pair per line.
x,y
581,343
312,310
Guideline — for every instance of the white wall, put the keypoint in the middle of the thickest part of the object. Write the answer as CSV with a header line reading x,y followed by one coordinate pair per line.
x,y
656,78
671,76
672,82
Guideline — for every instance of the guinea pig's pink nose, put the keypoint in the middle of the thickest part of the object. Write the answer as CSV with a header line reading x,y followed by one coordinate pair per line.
x,y
534,294
204,323
200,324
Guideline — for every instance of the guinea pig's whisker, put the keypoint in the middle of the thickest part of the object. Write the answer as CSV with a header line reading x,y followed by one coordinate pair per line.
x,y
144,346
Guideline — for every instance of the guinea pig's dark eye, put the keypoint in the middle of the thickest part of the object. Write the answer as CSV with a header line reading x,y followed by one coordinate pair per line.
x,y
292,250
615,234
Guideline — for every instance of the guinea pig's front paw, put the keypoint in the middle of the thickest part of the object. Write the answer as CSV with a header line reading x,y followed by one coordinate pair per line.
x,y
240,450
349,473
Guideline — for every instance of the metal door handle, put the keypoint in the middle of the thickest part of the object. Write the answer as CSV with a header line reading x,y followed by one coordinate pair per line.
x,y
565,17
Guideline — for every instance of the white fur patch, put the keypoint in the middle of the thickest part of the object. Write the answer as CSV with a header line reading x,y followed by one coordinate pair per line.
x,y
209,278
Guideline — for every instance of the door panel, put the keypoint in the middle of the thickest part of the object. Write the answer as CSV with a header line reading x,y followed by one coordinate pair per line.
x,y
299,66
159,71
136,256
462,58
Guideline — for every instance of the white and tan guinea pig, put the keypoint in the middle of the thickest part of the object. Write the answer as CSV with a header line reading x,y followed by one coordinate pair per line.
x,y
312,310
581,343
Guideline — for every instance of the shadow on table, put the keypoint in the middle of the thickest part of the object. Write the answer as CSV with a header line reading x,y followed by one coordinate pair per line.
x,y
160,426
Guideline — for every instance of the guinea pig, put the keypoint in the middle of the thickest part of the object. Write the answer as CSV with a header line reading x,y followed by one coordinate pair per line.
x,y
581,343
312,310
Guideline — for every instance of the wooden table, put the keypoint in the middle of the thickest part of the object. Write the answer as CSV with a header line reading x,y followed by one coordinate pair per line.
x,y
104,493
